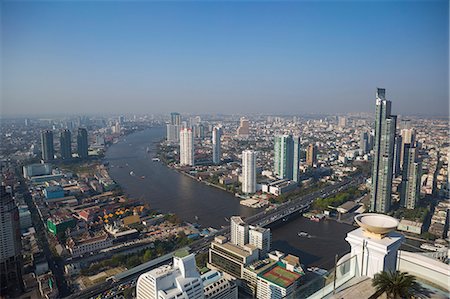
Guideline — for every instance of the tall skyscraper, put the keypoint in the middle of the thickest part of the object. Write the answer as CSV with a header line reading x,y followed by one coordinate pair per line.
x,y
65,144
216,150
412,171
408,138
82,143
296,160
397,152
48,150
175,118
11,282
243,129
173,128
178,281
248,171
239,231
385,126
287,157
186,147
311,155
364,143
342,122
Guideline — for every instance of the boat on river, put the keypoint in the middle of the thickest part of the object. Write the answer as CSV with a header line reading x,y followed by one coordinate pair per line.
x,y
304,234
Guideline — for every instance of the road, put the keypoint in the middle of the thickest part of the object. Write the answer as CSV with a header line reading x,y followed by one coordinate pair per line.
x,y
263,219
56,266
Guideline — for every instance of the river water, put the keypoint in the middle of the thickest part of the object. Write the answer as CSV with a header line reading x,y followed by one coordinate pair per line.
x,y
169,191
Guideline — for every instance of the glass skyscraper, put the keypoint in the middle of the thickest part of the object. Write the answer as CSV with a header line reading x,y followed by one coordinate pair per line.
x,y
48,150
82,143
65,144
385,126
287,157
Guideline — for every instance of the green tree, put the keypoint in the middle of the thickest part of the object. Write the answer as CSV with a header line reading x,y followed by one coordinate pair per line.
x,y
396,285
147,255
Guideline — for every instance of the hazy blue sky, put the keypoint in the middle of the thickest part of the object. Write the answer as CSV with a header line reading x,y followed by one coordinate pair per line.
x,y
223,57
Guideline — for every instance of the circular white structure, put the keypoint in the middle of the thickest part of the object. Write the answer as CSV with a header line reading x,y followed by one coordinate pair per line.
x,y
377,224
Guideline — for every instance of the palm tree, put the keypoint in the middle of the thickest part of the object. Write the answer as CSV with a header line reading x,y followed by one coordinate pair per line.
x,y
396,285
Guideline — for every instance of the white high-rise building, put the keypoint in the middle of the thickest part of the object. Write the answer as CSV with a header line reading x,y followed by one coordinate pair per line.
x,y
248,171
186,147
239,231
216,151
172,282
261,239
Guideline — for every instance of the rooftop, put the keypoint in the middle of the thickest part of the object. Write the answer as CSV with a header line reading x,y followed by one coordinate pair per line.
x,y
280,276
181,253
233,248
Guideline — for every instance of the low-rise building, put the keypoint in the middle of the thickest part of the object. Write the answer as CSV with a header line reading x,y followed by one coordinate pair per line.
x,y
410,226
279,187
60,222
87,244
53,192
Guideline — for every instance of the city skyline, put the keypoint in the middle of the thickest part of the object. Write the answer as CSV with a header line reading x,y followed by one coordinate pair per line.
x,y
246,57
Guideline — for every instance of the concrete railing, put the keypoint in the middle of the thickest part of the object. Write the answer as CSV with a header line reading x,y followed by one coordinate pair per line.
x,y
425,268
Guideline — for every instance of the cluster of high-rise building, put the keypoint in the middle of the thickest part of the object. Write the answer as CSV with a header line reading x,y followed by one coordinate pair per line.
x,y
65,143
393,154
182,280
184,133
246,258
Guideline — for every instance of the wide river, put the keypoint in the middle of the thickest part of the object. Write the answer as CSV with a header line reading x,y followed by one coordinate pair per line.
x,y
169,191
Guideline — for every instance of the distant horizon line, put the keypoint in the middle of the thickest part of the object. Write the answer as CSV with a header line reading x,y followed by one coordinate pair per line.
x,y
164,114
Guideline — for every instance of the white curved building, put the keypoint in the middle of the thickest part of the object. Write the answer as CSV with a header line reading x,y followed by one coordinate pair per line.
x,y
180,281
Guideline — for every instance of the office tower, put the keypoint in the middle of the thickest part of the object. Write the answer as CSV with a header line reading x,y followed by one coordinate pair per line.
x,y
216,151
260,238
311,155
412,168
181,280
296,160
248,171
385,125
239,231
175,118
11,282
405,124
243,129
199,131
408,138
82,143
342,122
287,157
186,147
65,144
364,143
121,119
173,128
48,150
397,151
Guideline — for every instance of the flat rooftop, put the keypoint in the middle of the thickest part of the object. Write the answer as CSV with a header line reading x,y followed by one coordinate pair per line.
x,y
233,248
280,276
181,253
